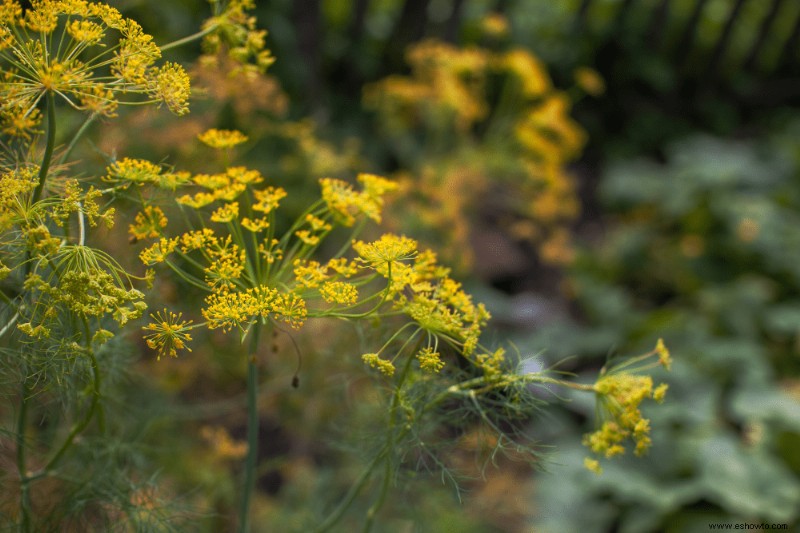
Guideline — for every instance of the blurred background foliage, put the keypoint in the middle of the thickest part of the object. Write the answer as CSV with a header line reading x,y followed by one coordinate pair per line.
x,y
671,171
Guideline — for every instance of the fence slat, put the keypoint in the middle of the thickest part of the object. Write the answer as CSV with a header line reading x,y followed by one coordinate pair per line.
x,y
686,42
789,52
766,25
658,24
724,41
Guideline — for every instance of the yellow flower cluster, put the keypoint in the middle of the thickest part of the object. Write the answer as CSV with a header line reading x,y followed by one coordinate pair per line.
x,y
16,187
233,29
222,139
128,171
521,143
423,291
90,70
382,365
88,292
148,223
430,360
339,292
227,310
311,274
620,393
346,203
169,333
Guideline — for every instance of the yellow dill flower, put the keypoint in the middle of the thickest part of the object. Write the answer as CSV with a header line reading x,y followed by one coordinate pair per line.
x,y
226,213
593,465
222,139
382,365
197,240
148,223
170,84
173,180
291,309
86,31
494,25
343,267
339,292
230,193
100,57
376,186
660,392
89,291
139,171
619,395
238,309
234,29
169,333
529,70
211,181
267,200
227,310
307,237
345,203
197,201
255,225
388,249
271,253
663,354
244,176
491,363
429,359
158,252
342,200
226,267
309,274
589,80
317,224
37,332
549,132
43,18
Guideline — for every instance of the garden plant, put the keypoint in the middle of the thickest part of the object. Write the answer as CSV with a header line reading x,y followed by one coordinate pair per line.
x,y
76,308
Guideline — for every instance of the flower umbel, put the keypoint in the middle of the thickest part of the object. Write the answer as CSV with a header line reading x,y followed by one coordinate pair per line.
x,y
169,333
620,392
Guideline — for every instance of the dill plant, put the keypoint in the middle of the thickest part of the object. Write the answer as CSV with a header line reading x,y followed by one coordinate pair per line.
x,y
259,276
65,300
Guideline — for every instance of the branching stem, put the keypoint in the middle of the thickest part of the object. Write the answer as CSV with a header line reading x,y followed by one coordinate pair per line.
x,y
252,431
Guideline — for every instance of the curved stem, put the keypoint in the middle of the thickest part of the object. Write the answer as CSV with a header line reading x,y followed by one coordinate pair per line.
x,y
50,144
252,432
79,426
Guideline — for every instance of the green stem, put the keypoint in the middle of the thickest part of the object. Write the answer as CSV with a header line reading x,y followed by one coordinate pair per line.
x,y
337,514
79,426
25,502
86,123
252,432
50,144
188,39
390,440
